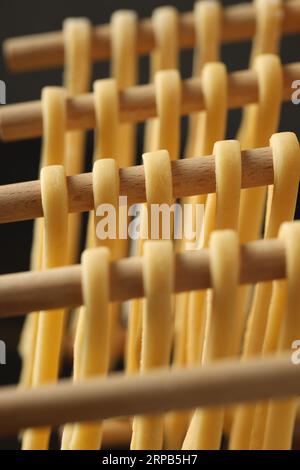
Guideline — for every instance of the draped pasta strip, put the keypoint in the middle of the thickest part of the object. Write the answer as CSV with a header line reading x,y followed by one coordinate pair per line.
x,y
205,430
286,177
164,57
124,70
168,91
92,349
281,414
77,76
214,80
156,338
53,152
50,324
207,14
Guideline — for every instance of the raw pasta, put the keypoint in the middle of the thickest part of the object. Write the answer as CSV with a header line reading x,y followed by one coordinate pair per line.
x,y
283,196
168,89
164,57
124,70
158,276
286,177
207,14
77,76
158,182
205,430
50,324
106,192
214,85
93,347
282,413
53,152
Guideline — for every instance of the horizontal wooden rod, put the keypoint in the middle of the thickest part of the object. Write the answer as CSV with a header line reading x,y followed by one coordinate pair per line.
x,y
22,201
136,104
224,382
46,50
61,287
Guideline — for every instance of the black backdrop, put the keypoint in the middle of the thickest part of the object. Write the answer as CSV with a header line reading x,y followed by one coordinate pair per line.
x,y
19,160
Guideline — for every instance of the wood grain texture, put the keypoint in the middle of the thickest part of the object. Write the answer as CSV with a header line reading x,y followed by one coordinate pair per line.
x,y
136,104
46,50
190,177
221,383
61,287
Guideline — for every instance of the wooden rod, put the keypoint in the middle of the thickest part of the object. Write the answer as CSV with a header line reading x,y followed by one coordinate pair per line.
x,y
137,104
61,287
192,176
221,383
46,50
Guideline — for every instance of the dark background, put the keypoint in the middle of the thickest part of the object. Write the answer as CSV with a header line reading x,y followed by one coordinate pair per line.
x,y
19,160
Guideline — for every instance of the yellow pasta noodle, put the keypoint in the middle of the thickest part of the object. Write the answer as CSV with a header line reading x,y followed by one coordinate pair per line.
x,y
93,348
282,413
77,76
163,57
124,70
283,197
168,90
214,83
106,192
53,152
207,15
205,431
286,176
158,275
50,324
206,427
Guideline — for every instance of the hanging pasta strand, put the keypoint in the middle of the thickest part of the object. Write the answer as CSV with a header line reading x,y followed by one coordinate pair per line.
x,y
286,162
158,181
267,111
124,70
53,153
77,37
93,348
205,430
283,196
106,197
158,275
266,41
168,95
77,76
207,16
214,82
50,324
163,57
106,132
281,414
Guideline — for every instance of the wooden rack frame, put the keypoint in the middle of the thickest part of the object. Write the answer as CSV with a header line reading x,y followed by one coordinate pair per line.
x,y
262,260
192,176
222,383
137,104
46,50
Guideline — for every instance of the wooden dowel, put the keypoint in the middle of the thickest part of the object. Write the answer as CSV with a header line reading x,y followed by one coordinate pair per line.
x,y
22,201
61,287
221,383
137,104
46,50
